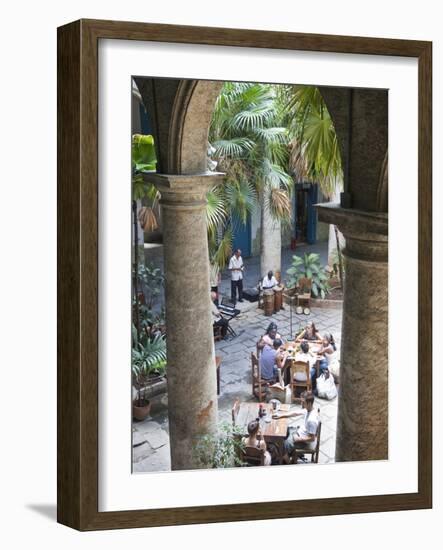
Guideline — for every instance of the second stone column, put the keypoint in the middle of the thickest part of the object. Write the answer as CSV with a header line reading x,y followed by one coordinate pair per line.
x,y
191,374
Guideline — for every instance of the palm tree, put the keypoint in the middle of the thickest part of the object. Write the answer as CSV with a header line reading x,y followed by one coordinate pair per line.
x,y
315,154
250,143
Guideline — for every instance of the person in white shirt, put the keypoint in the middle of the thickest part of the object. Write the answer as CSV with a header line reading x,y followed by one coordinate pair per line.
x,y
269,281
304,435
236,268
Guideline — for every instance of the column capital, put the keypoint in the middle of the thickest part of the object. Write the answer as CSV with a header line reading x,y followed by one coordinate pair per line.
x,y
366,233
184,190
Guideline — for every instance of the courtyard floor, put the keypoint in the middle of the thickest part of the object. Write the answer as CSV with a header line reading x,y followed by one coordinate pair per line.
x,y
151,437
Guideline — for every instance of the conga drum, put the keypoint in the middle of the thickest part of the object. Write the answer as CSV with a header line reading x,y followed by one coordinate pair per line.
x,y
278,298
268,301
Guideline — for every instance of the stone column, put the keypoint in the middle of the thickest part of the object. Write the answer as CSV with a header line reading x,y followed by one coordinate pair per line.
x,y
270,246
362,423
191,374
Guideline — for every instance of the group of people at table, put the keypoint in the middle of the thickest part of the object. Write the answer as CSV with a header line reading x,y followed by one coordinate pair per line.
x,y
302,436
273,357
274,353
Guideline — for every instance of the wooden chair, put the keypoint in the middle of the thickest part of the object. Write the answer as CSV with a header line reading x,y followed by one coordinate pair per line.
x,y
304,292
253,456
234,411
258,385
300,367
298,452
217,330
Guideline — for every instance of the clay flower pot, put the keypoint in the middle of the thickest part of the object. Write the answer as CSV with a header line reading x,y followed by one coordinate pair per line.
x,y
141,412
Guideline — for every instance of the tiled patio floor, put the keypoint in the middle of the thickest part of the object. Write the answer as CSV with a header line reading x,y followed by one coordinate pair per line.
x,y
150,437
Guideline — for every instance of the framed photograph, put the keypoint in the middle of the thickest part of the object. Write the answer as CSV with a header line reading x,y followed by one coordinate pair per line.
x,y
244,278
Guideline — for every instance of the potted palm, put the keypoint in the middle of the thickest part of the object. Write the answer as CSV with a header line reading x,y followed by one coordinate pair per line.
x,y
148,365
309,267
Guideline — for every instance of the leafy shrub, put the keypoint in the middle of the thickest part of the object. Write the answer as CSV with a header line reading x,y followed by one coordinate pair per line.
x,y
309,267
222,450
148,356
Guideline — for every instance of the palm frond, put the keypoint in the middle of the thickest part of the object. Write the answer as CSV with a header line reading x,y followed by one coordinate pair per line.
x,y
274,176
216,212
271,135
233,148
221,253
241,198
252,118
280,205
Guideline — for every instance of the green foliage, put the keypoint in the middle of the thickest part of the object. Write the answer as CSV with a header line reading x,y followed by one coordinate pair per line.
x,y
315,153
143,160
250,145
216,211
149,318
153,279
335,260
148,355
222,450
221,250
143,153
309,267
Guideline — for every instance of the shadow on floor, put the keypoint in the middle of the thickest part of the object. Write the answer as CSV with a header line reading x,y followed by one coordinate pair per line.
x,y
48,511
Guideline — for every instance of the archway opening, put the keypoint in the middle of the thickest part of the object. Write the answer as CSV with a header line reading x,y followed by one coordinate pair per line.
x,y
185,150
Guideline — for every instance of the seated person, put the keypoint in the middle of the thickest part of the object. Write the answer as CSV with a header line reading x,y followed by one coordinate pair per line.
x,y
310,333
270,335
304,435
307,357
217,319
272,361
327,351
269,281
253,441
215,279
327,356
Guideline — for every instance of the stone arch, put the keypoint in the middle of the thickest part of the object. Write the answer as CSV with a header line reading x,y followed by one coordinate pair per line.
x,y
191,117
189,128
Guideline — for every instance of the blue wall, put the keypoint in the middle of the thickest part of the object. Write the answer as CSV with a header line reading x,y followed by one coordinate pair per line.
x,y
242,235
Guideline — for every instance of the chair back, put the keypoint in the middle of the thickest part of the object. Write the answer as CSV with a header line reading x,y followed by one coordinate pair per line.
x,y
300,367
305,285
254,456
255,363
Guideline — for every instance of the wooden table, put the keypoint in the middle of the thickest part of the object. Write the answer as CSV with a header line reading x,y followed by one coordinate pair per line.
x,y
273,432
313,344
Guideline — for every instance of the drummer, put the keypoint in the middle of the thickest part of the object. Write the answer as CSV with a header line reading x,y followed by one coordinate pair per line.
x,y
270,335
269,281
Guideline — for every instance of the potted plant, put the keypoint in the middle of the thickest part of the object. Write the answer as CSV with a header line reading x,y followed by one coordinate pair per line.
x,y
148,365
141,406
309,267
